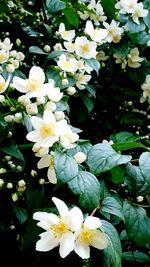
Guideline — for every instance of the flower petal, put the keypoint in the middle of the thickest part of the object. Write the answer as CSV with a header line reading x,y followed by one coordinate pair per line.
x,y
100,240
36,122
44,162
50,217
66,244
46,243
75,219
20,84
36,73
92,222
61,206
48,116
52,176
82,250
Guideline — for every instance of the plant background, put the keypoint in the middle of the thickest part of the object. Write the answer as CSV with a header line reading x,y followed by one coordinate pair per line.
x,y
114,114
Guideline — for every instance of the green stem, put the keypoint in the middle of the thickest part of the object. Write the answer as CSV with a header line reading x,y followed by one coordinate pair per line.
x,y
86,263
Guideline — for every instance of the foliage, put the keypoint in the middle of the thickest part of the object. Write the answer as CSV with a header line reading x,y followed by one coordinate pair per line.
x,y
95,150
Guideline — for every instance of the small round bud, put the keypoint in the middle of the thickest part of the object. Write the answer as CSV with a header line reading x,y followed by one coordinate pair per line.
x,y
139,198
1,183
71,90
47,48
32,109
64,81
3,170
41,181
9,118
19,168
10,68
51,106
21,183
18,42
15,196
9,185
80,157
33,173
59,115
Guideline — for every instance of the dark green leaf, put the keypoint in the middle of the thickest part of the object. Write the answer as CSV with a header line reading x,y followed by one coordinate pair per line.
x,y
36,50
54,54
109,8
87,101
144,164
134,27
12,149
137,224
65,166
87,186
103,157
112,254
117,174
91,90
72,16
112,206
21,213
94,64
127,145
135,256
54,6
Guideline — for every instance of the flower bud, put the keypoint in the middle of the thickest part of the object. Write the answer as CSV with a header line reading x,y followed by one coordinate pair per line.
x,y
71,90
47,48
59,115
41,181
80,157
139,198
21,183
32,109
1,183
15,196
9,185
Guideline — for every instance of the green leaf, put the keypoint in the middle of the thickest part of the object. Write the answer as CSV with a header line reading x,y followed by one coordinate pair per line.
x,y
36,50
51,73
12,149
87,186
109,8
62,105
65,166
34,196
94,64
82,146
102,157
112,206
134,27
113,253
54,6
143,38
87,101
21,213
3,7
124,137
135,256
127,145
54,54
72,16
117,174
147,20
137,224
137,184
91,90
144,164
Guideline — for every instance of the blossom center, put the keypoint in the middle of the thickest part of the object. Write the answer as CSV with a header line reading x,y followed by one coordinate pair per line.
x,y
85,48
33,85
60,228
2,86
86,236
47,130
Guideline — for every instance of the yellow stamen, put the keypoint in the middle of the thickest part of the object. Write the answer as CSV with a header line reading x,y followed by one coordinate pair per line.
x,y
47,130
60,228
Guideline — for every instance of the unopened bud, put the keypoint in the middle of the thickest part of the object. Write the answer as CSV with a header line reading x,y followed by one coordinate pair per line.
x,y
80,157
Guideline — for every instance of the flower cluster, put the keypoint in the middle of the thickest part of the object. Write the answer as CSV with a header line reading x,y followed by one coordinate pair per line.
x,y
70,231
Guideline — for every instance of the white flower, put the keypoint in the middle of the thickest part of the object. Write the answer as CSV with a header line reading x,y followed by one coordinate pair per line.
x,y
85,48
80,157
120,59
139,12
69,46
66,35
3,84
31,109
58,229
90,235
45,133
51,106
48,161
134,59
33,86
40,151
114,31
126,6
146,89
67,64
96,35
81,80
54,94
4,55
71,90
67,137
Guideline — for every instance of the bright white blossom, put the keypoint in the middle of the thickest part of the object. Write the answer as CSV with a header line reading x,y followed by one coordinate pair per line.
x,y
4,84
67,64
59,230
134,61
114,31
146,90
85,48
33,86
46,131
97,35
82,79
139,12
66,35
48,161
90,235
